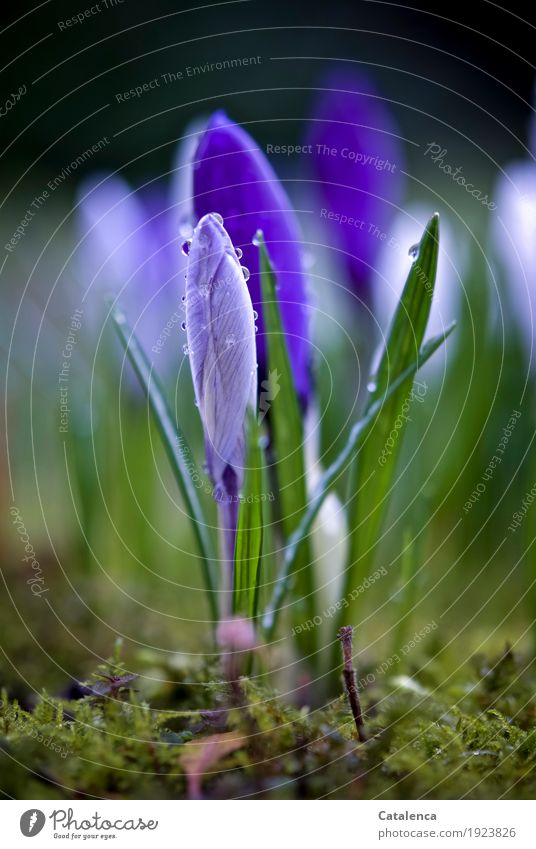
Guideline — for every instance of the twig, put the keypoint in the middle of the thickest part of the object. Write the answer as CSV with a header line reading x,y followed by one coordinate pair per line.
x,y
348,675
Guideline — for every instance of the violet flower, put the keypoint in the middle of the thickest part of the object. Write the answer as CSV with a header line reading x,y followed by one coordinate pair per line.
x,y
129,245
514,244
220,329
232,176
356,164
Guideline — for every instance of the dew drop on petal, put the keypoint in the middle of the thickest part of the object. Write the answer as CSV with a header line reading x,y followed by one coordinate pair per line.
x,y
239,253
183,325
186,247
245,272
230,340
185,350
255,315
218,217
183,299
256,329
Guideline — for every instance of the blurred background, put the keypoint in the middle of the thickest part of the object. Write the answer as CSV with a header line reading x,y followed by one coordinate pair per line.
x,y
81,461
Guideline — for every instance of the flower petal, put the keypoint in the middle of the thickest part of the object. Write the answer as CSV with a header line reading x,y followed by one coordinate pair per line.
x,y
233,177
221,344
356,163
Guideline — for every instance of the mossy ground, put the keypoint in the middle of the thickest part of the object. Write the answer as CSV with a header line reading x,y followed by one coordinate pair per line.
x,y
471,736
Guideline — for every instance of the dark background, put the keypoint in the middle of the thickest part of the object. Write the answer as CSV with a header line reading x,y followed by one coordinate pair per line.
x,y
456,65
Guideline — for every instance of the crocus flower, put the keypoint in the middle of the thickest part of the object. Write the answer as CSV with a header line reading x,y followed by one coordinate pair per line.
x,y
220,329
356,163
514,244
129,245
233,177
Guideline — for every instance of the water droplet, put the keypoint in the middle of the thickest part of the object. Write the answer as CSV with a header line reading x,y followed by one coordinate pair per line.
x,y
185,350
230,340
255,315
239,253
186,247
245,272
256,329
183,325
256,240
372,386
218,217
183,299
414,250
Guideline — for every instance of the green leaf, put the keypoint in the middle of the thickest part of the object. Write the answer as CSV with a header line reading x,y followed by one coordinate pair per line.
x,y
177,449
286,424
249,532
371,479
359,433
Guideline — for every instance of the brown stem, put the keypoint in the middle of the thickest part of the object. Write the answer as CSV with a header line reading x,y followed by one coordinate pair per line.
x,y
349,680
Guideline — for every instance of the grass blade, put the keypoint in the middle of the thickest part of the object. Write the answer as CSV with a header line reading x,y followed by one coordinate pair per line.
x,y
249,532
357,436
175,444
371,480
286,423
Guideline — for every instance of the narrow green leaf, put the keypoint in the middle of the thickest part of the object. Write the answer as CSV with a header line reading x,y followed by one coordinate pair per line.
x,y
359,433
404,599
371,480
249,532
177,449
286,423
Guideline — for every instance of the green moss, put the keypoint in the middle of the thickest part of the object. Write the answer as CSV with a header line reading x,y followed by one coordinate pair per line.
x,y
475,737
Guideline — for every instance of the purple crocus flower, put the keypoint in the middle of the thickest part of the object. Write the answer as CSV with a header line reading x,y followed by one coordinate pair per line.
x,y
129,245
233,177
514,244
220,329
356,164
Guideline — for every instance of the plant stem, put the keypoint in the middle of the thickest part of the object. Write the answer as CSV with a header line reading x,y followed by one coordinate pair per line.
x,y
228,512
350,685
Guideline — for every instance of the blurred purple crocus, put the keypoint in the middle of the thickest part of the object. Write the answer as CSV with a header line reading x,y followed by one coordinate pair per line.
x,y
514,244
233,177
220,329
129,245
356,163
